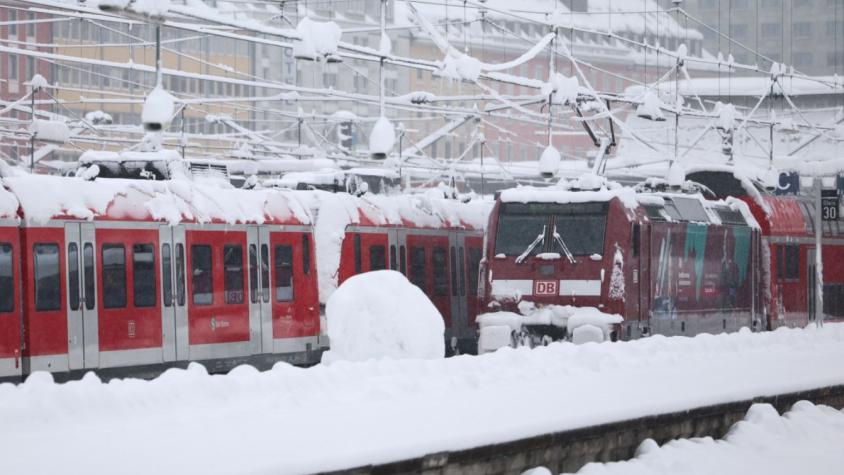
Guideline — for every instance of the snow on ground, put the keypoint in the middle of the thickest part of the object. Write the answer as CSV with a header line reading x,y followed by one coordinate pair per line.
x,y
381,314
293,420
806,439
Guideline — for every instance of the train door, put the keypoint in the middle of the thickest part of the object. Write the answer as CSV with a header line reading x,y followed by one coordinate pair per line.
x,y
473,253
295,305
260,310
82,305
457,278
10,301
428,269
369,251
645,282
174,315
399,262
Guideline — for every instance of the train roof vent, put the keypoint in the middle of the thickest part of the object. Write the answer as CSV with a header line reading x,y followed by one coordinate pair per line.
x,y
691,209
731,216
209,170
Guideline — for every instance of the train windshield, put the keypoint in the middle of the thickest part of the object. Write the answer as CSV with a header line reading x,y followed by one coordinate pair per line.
x,y
580,225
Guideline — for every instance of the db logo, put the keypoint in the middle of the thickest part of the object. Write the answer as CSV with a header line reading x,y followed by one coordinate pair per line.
x,y
545,287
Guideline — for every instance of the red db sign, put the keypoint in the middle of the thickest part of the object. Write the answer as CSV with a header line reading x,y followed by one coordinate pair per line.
x,y
545,287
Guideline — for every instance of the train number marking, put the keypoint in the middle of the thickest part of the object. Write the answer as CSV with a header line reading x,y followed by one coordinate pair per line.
x,y
546,287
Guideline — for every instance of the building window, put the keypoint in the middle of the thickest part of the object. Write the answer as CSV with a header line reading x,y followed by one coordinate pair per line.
x,y
770,30
233,274
802,30
143,275
802,59
114,275
202,281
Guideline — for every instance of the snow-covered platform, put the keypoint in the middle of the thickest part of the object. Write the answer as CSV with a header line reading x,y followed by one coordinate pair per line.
x,y
293,420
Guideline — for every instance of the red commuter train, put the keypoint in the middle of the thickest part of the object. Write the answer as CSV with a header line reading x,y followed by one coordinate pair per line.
x,y
669,263
131,277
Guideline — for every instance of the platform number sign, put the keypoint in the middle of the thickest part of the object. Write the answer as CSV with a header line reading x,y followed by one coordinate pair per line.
x,y
545,287
829,205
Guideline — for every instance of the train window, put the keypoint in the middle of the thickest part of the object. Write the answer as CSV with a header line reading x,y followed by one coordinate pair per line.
x,y
517,232
358,265
202,280
7,283
143,275
475,255
167,272
73,276
265,272
453,272
691,209
89,276
654,213
233,274
114,275
833,300
377,258
582,233
671,211
402,260
306,254
180,274
788,261
439,262
461,259
283,273
254,291
393,262
417,267
47,278
731,216
637,239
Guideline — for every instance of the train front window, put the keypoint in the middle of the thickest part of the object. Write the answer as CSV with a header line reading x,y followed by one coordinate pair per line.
x,y
519,224
581,227
7,284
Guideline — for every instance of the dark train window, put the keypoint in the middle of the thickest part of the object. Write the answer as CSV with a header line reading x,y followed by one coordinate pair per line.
x,y
114,275
73,276
180,275
393,262
788,261
654,213
672,211
7,282
517,232
377,258
583,233
306,254
461,259
439,260
833,300
637,239
233,274
265,272
202,280
402,260
89,276
691,209
254,291
283,273
453,272
48,294
358,264
47,278
143,275
167,271
475,256
417,267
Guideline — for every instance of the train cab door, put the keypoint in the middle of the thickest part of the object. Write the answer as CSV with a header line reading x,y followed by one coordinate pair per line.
x,y
83,348
260,309
457,278
174,312
10,301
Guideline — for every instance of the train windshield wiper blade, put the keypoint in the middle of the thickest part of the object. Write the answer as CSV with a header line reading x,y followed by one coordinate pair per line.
x,y
559,240
539,240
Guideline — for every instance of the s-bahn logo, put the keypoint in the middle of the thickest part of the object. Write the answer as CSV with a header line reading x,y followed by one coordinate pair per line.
x,y
545,287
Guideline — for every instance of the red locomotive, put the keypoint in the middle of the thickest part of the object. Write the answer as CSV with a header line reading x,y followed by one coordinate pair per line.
x,y
670,263
130,277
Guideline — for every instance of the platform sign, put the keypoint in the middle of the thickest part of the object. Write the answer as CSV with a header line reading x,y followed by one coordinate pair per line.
x,y
829,205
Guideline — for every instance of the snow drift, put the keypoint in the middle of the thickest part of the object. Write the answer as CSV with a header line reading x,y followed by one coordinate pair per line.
x,y
381,314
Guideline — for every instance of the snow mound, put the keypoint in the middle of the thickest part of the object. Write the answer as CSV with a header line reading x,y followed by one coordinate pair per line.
x,y
319,39
158,109
50,130
383,136
587,334
382,315
549,162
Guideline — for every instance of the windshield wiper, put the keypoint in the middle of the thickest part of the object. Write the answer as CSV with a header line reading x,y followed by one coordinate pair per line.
x,y
559,240
539,240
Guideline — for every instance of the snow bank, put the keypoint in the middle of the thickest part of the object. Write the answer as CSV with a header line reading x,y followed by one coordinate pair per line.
x,y
381,314
294,420
529,194
806,439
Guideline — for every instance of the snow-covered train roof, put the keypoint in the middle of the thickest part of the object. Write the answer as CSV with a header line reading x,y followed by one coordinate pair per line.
x,y
43,198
